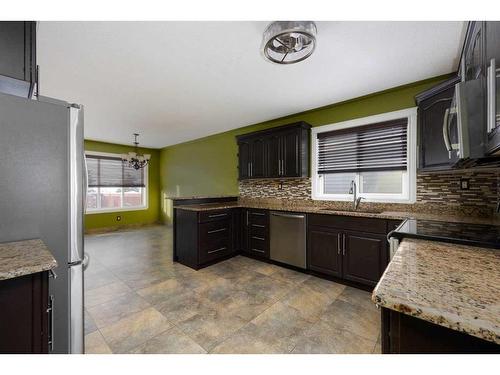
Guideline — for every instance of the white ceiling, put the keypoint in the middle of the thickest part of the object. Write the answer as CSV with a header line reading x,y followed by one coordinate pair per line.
x,y
178,81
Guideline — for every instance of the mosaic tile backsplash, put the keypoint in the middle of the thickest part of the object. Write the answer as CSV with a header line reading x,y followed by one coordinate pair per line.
x,y
435,192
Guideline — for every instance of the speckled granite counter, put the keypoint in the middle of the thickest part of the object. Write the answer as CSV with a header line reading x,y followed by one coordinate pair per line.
x,y
454,286
24,258
201,197
372,213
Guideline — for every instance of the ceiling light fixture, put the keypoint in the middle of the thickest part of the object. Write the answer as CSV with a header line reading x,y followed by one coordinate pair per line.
x,y
288,42
135,159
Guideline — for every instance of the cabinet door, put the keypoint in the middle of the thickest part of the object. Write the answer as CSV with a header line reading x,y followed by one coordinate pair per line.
x,y
18,57
12,45
492,35
290,154
324,251
24,323
273,155
474,64
243,160
493,86
244,225
433,152
364,257
257,158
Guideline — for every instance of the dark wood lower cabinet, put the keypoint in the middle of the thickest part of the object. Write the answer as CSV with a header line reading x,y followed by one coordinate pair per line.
x,y
404,334
334,245
255,232
364,257
24,320
324,251
204,237
336,248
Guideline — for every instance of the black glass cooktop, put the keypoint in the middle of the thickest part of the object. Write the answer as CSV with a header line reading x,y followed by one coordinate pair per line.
x,y
461,233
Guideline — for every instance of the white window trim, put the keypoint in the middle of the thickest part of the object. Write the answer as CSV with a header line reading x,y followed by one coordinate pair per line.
x,y
145,206
409,190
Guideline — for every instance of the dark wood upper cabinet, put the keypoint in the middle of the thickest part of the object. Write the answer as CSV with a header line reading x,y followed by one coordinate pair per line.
x,y
432,107
492,53
473,58
278,152
244,159
18,58
257,158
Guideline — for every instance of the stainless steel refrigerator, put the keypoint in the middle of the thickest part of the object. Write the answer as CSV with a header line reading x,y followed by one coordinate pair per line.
x,y
42,193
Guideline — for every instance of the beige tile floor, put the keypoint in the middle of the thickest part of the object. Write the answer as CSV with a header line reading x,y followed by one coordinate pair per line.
x,y
138,301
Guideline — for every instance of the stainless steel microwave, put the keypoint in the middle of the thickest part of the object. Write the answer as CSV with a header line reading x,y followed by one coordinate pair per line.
x,y
464,133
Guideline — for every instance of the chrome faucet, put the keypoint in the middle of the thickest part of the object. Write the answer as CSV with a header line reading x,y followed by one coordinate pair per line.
x,y
355,200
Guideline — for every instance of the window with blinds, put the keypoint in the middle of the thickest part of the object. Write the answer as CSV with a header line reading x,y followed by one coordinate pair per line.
x,y
113,185
375,155
107,171
377,147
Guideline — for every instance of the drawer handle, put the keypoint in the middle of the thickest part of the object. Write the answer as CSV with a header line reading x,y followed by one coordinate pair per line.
x,y
217,250
258,238
217,230
258,213
217,215
258,250
258,226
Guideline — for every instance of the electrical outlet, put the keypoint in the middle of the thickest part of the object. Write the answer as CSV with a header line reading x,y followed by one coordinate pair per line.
x,y
464,183
118,218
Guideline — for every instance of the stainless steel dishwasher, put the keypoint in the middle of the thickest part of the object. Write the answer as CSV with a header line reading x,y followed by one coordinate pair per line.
x,y
288,238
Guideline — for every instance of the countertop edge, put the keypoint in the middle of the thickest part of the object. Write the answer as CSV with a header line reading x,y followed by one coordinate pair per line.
x,y
480,328
21,255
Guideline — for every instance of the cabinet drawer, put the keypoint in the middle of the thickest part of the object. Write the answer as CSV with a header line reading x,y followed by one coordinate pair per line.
x,y
213,231
207,216
215,249
258,230
348,222
258,246
258,217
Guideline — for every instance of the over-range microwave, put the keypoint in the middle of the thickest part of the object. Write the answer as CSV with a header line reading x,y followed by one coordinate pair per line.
x,y
464,133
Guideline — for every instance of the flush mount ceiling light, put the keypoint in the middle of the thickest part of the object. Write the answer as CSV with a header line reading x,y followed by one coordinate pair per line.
x,y
288,42
135,159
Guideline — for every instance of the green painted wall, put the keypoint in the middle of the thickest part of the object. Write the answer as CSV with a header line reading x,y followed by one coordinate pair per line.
x,y
208,166
149,216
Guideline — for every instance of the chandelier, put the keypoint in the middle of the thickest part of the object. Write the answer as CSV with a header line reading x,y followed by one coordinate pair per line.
x,y
135,159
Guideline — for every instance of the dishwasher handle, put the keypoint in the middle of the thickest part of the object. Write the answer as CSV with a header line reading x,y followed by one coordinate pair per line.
x,y
291,216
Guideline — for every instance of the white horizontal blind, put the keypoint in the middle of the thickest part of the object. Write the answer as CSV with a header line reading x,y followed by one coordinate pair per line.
x,y
381,146
106,171
381,182
338,183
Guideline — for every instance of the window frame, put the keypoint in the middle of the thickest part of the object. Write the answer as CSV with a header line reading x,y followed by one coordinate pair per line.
x,y
143,207
409,194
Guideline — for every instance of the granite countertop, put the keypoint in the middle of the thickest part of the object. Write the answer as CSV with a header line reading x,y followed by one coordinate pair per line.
x,y
22,258
202,197
380,214
455,286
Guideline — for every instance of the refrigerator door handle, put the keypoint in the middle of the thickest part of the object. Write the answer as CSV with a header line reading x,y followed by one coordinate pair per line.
x,y
77,181
86,261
